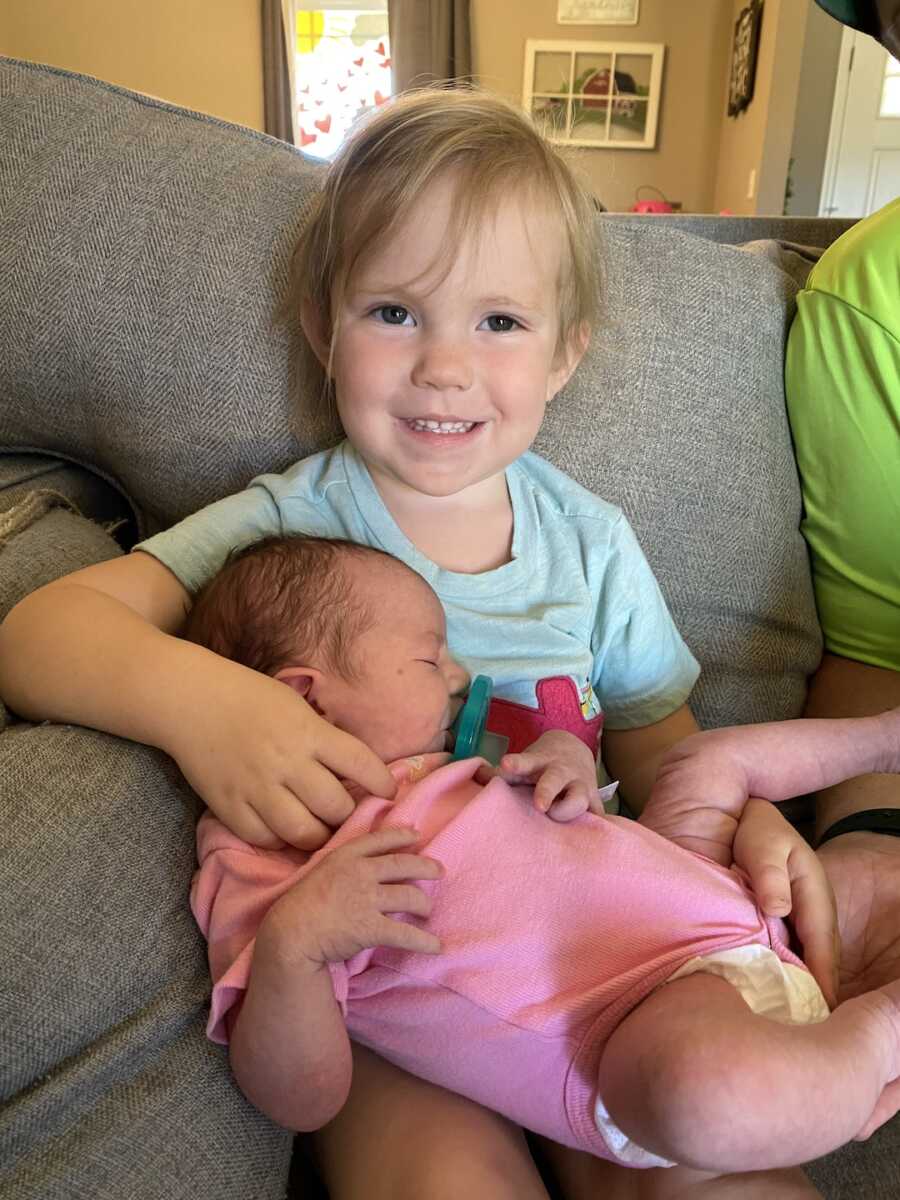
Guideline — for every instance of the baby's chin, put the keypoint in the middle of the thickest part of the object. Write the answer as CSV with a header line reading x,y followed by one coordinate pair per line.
x,y
442,740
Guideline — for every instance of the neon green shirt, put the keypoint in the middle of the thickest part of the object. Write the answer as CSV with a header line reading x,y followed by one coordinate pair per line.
x,y
842,381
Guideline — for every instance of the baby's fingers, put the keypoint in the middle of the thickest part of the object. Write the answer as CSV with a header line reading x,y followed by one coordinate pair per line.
x,y
575,803
400,935
403,898
520,768
553,784
391,867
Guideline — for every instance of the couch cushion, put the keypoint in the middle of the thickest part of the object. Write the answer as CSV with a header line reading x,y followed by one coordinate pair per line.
x,y
106,1075
142,247
678,416
93,497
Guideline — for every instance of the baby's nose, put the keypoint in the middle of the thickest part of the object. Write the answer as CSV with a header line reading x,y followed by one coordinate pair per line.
x,y
457,678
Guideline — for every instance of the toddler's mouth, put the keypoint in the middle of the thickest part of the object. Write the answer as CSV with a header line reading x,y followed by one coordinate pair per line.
x,y
419,425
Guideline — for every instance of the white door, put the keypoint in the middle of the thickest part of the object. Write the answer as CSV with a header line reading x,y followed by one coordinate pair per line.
x,y
862,167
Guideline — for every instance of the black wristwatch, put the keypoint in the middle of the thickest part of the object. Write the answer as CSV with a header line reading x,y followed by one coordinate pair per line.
x,y
870,820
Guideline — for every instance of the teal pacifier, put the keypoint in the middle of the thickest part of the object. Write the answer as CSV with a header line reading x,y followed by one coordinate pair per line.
x,y
470,736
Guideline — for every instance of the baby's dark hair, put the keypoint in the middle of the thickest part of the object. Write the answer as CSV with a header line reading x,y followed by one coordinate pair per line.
x,y
286,601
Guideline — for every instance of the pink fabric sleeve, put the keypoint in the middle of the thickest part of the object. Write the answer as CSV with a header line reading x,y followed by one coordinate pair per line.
x,y
234,887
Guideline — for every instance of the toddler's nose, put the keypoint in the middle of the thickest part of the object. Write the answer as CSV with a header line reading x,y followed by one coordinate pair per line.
x,y
442,365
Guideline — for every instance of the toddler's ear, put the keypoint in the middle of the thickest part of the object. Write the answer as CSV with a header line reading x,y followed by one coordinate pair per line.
x,y
314,327
568,357
299,679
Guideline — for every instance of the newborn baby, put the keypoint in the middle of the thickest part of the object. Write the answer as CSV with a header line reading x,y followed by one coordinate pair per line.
x,y
590,979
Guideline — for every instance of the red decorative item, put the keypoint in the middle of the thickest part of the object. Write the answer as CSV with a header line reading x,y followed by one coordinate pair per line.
x,y
307,139
599,84
379,49
358,62
662,205
379,99
324,125
652,206
559,707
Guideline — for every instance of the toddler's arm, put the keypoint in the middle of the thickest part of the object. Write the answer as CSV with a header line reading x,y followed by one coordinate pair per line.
x,y
634,756
97,648
289,1047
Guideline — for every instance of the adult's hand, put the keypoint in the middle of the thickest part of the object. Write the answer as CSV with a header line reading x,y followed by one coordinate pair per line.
x,y
864,870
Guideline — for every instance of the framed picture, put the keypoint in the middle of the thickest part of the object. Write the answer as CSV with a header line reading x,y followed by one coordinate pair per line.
x,y
744,52
597,12
595,94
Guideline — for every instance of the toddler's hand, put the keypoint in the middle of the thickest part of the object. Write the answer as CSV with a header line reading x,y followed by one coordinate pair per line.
x,y
562,770
268,766
339,908
789,881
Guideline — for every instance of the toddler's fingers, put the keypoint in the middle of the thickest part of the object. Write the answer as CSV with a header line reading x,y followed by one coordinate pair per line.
x,y
350,758
289,821
319,791
400,935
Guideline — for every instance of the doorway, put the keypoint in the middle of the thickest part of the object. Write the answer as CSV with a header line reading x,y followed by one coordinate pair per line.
x,y
862,163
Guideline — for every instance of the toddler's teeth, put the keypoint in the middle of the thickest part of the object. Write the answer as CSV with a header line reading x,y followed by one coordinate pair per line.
x,y
422,426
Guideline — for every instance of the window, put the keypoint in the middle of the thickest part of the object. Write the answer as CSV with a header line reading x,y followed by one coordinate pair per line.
x,y
890,92
342,67
595,93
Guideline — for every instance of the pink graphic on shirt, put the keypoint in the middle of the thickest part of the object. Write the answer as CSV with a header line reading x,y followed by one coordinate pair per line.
x,y
559,707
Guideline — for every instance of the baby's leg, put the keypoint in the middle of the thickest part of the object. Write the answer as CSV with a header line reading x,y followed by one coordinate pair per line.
x,y
400,1138
693,1075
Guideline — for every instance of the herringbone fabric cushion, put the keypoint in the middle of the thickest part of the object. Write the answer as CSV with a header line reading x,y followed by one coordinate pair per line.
x,y
142,252
678,416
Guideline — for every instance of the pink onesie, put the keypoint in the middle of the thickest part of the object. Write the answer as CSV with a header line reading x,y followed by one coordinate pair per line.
x,y
552,933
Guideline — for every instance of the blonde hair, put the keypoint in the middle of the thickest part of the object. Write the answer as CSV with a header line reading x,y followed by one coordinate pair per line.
x,y
489,145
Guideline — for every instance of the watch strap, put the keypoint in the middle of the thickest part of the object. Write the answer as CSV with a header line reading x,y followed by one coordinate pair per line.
x,y
869,820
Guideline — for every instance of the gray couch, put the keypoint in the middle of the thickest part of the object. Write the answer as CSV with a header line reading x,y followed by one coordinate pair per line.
x,y
143,373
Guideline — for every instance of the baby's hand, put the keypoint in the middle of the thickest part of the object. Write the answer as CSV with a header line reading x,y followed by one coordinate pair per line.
x,y
268,766
339,908
562,770
789,881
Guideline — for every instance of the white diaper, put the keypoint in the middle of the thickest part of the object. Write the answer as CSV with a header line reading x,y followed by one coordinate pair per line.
x,y
771,988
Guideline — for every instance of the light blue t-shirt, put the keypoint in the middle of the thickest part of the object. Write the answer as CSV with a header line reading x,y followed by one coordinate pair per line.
x,y
577,598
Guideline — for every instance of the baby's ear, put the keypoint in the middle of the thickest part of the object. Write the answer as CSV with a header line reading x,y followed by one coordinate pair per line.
x,y
316,331
299,679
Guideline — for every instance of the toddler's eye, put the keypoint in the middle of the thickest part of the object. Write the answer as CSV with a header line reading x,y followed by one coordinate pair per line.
x,y
500,323
392,314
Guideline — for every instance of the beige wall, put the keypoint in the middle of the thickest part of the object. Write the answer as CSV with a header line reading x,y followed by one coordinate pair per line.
x,y
696,36
815,100
759,139
203,54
